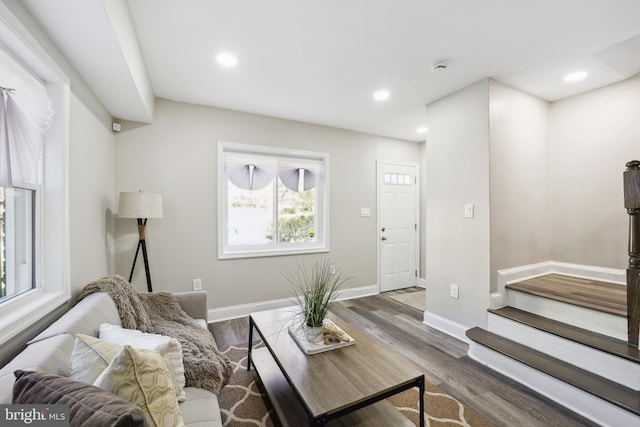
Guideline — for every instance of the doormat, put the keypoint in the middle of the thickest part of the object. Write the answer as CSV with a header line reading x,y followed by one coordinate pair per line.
x,y
417,300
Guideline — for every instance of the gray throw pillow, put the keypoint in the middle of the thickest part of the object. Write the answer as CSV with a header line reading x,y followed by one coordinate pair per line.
x,y
88,405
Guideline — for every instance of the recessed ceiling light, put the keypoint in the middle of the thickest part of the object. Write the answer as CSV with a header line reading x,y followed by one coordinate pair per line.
x,y
574,77
227,59
381,95
422,129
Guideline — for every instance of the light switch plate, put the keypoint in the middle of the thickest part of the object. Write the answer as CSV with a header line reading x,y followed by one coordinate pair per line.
x,y
468,210
365,211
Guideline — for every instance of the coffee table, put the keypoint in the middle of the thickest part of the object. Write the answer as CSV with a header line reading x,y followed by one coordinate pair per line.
x,y
342,387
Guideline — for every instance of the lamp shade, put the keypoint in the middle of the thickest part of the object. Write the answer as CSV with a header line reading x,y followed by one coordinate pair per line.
x,y
140,205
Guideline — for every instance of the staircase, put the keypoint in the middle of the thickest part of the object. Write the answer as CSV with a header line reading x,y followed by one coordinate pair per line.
x,y
566,338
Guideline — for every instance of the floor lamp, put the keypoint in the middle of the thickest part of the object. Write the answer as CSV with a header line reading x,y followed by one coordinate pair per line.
x,y
141,206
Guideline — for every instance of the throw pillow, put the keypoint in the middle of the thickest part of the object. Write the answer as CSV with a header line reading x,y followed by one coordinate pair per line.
x,y
90,357
141,377
169,348
88,405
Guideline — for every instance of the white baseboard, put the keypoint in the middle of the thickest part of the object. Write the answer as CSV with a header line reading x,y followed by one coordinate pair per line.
x,y
445,325
241,310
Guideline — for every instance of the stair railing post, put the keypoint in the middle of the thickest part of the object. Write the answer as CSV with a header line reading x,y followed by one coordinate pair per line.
x,y
632,203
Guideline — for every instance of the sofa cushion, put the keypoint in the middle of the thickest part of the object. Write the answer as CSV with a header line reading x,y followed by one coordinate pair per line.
x,y
169,348
141,377
88,405
201,408
84,318
51,355
90,357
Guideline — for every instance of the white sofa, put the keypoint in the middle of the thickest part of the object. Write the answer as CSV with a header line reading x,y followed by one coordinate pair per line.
x,y
51,351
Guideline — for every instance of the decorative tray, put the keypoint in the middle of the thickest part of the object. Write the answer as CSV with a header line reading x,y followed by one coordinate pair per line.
x,y
300,337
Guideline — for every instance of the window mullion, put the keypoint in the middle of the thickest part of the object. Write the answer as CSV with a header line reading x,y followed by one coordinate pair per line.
x,y
276,210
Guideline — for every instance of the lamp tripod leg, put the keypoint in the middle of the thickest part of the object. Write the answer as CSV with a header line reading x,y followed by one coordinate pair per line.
x,y
135,258
146,265
142,243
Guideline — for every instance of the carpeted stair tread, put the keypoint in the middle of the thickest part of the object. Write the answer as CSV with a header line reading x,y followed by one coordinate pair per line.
x,y
585,337
602,296
603,388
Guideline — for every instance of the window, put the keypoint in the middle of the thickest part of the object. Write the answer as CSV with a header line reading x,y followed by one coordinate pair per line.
x,y
34,259
17,236
271,201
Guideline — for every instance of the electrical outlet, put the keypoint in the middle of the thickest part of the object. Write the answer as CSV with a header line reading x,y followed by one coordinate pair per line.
x,y
197,284
332,268
453,292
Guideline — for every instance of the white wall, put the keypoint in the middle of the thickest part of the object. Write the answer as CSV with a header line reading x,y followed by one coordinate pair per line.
x,y
457,168
593,135
519,179
176,156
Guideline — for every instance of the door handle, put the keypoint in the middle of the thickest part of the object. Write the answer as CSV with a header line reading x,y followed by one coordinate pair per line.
x,y
384,237
383,229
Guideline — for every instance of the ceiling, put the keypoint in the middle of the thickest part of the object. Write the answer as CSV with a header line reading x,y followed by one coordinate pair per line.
x,y
321,62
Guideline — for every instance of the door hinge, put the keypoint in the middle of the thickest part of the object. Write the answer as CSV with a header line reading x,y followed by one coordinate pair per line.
x,y
415,226
416,273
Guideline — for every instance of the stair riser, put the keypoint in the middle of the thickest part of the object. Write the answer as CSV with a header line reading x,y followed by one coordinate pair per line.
x,y
593,320
581,402
600,363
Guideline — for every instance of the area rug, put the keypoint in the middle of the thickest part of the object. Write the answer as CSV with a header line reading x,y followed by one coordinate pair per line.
x,y
417,300
242,403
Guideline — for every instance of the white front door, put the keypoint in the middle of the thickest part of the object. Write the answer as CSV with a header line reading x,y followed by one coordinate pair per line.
x,y
397,226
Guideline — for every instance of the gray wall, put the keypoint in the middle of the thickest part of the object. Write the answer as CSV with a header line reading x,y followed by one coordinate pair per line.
x,y
91,196
519,179
457,168
177,157
592,137
550,175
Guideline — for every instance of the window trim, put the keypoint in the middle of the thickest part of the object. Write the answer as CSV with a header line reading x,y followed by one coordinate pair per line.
x,y
52,218
323,244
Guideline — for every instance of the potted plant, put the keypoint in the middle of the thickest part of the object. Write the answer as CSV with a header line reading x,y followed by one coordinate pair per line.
x,y
314,292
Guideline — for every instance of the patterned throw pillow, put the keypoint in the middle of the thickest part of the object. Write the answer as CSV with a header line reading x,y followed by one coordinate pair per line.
x,y
169,348
141,377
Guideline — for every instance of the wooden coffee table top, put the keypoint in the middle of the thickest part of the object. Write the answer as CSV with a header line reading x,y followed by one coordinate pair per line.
x,y
334,380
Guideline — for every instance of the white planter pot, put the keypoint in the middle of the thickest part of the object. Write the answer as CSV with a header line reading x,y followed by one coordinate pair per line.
x,y
314,333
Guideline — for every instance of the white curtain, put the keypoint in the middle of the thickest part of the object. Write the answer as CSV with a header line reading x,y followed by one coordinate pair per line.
x,y
249,176
24,121
298,179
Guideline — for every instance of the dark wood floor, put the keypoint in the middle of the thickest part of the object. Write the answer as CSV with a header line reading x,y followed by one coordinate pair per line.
x,y
442,359
602,296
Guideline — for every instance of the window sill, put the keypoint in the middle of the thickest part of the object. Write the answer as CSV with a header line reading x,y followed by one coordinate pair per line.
x,y
271,252
22,311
